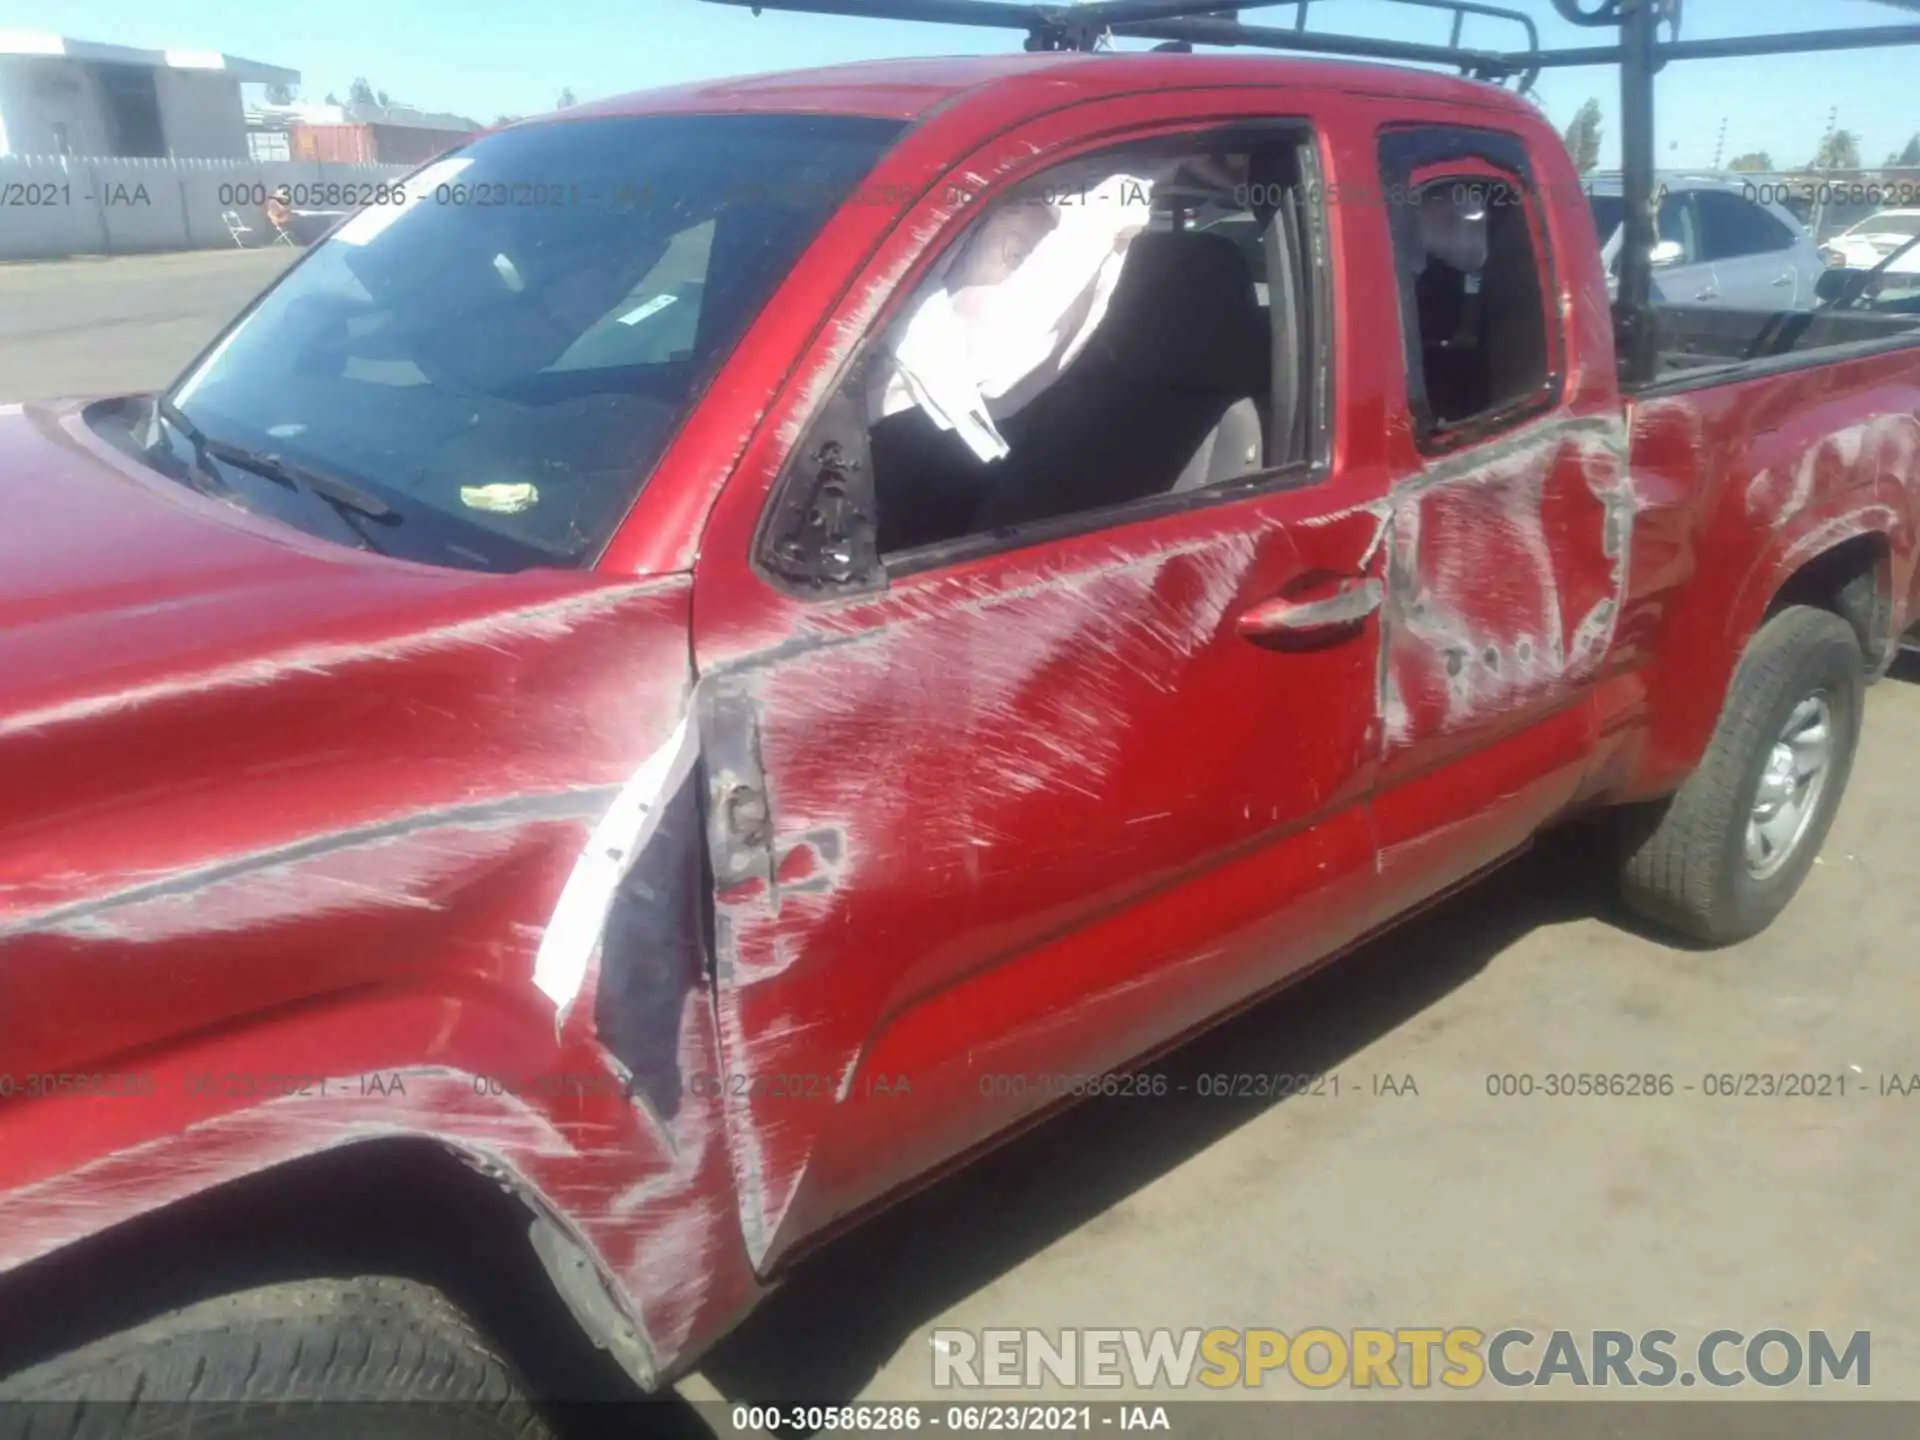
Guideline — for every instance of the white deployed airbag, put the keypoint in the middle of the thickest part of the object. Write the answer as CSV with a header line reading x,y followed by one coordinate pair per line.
x,y
1011,308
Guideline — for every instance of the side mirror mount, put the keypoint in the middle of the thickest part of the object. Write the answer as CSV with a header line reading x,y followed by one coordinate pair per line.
x,y
822,534
1666,253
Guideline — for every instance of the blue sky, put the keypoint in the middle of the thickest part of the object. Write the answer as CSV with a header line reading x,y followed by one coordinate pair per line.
x,y
488,57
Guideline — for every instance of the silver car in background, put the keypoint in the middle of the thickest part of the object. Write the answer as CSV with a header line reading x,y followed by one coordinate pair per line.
x,y
1717,245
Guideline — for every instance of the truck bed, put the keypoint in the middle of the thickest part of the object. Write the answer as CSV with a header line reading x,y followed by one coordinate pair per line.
x,y
1709,344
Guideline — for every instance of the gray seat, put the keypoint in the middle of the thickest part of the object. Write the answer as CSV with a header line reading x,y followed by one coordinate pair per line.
x,y
1162,391
1231,451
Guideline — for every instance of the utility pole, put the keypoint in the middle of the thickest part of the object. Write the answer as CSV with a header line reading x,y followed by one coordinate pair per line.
x,y
1820,161
1720,145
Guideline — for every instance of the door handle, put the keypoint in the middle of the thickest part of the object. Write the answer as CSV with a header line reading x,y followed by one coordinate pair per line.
x,y
1708,294
1320,621
1783,282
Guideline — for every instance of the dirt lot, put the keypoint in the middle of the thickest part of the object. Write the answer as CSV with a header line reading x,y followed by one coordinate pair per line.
x,y
1443,1207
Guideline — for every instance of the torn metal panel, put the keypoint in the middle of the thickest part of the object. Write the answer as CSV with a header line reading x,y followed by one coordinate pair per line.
x,y
580,916
652,952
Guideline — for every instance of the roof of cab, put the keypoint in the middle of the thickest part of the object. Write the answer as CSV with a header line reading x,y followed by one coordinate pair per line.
x,y
908,89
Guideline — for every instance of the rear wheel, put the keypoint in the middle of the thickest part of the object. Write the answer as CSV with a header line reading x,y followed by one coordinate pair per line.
x,y
247,1363
1724,857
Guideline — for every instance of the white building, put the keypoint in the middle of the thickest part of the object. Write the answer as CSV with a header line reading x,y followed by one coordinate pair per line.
x,y
78,97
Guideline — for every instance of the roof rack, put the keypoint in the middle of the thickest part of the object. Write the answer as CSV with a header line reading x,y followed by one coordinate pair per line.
x,y
1180,24
1640,53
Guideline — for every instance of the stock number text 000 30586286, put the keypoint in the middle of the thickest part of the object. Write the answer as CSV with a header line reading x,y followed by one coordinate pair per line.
x,y
38,1085
1211,1085
1716,1085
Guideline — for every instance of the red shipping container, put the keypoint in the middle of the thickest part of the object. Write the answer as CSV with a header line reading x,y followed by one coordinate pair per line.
x,y
332,144
412,144
369,144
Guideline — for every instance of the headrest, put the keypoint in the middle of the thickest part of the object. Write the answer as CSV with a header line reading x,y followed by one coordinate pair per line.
x,y
1185,316
1453,227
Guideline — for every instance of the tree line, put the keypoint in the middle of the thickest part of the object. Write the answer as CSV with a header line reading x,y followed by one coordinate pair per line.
x,y
1839,150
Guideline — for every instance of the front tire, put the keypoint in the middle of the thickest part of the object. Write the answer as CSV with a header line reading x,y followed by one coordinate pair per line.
x,y
249,1363
1724,857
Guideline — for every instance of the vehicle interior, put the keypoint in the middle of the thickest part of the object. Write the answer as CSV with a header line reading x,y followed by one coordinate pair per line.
x,y
1184,366
1479,303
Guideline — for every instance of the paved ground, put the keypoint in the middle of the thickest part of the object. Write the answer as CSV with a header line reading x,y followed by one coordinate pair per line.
x,y
1445,1207
129,323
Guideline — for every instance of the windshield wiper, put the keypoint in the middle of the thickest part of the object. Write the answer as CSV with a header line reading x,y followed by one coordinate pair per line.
x,y
351,503
348,500
342,494
208,481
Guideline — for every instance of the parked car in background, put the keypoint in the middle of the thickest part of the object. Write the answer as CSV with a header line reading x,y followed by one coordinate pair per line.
x,y
1717,246
1873,240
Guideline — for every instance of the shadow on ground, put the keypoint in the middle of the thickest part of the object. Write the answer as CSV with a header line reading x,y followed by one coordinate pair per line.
x,y
848,1309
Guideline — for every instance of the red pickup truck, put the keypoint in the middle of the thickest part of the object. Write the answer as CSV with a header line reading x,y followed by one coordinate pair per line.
x,y
712,656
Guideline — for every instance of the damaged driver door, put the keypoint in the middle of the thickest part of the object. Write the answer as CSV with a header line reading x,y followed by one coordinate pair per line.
x,y
997,808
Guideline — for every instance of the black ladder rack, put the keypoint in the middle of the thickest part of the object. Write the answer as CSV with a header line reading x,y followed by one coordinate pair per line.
x,y
1185,22
1640,53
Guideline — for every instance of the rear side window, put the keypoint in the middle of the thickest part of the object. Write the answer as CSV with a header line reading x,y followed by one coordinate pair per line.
x,y
1735,226
1473,280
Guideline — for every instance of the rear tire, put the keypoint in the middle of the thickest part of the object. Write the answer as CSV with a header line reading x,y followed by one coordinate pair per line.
x,y
239,1359
1688,864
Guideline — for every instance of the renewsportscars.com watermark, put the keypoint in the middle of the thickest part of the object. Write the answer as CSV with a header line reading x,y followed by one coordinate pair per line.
x,y
1459,1358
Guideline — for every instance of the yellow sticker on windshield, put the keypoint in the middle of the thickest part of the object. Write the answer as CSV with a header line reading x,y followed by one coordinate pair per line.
x,y
500,499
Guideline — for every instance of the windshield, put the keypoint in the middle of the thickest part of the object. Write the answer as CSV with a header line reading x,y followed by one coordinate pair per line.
x,y
504,354
1904,226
